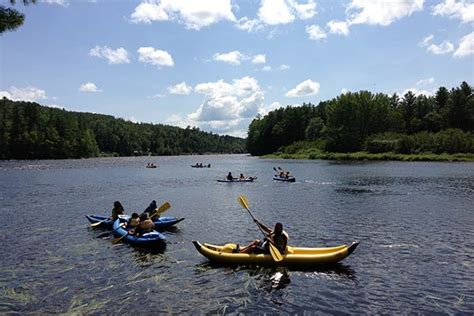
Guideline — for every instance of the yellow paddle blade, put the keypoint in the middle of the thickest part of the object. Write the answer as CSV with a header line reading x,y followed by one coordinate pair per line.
x,y
276,255
166,206
243,201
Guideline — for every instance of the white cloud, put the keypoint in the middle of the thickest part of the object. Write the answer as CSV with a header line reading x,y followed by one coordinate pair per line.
x,y
233,58
284,67
132,119
228,101
381,12
305,88
344,91
63,3
259,59
443,48
89,87
304,11
425,82
267,68
315,32
249,25
193,14
418,92
462,10
338,27
264,110
157,96
24,94
180,88
117,56
273,12
466,46
426,41
157,57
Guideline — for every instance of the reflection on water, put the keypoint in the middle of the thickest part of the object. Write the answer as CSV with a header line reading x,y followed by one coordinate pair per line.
x,y
414,222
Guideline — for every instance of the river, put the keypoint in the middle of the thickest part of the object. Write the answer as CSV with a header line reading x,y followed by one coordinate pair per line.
x,y
414,221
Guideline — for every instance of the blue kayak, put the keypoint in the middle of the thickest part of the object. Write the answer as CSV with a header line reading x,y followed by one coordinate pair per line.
x,y
162,222
152,239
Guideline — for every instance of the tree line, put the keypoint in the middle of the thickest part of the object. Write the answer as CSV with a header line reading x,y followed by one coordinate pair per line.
x,y
364,121
31,131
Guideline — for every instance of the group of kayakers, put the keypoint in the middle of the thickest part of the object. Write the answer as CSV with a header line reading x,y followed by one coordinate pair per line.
x,y
200,165
138,224
230,177
151,165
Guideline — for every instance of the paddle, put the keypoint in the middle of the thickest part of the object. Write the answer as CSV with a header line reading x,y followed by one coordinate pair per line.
x,y
275,253
98,223
163,208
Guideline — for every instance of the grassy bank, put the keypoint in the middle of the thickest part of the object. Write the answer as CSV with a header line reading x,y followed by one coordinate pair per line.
x,y
368,156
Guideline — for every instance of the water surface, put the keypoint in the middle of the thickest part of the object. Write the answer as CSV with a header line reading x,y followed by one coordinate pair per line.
x,y
414,221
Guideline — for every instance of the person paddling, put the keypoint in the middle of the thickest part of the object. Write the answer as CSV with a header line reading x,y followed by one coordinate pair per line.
x,y
277,236
230,177
146,225
151,208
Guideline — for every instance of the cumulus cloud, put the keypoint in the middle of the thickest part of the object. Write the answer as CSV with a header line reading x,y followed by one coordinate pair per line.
x,y
157,57
338,27
180,88
89,87
24,94
462,10
304,11
315,33
273,12
193,14
440,49
466,46
284,67
305,88
267,68
259,59
375,12
113,56
344,91
264,110
234,58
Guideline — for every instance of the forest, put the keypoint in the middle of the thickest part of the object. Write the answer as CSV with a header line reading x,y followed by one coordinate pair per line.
x,y
31,131
373,123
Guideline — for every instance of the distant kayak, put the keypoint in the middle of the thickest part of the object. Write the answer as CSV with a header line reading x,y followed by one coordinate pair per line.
x,y
162,222
152,239
296,256
204,166
251,179
284,179
154,166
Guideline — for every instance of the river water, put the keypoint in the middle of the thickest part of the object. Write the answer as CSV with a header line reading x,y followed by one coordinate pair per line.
x,y
414,222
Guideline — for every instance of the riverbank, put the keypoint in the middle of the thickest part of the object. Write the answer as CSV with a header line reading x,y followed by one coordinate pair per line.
x,y
361,155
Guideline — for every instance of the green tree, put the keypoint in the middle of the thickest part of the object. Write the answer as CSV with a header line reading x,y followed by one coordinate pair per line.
x,y
11,19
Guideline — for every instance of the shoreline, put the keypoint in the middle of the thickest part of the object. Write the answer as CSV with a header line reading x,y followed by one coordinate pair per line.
x,y
358,156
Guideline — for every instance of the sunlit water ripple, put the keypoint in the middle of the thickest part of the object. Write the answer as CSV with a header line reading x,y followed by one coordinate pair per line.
x,y
414,222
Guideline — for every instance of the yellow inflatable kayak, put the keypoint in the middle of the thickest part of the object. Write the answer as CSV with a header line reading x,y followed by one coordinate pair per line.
x,y
295,256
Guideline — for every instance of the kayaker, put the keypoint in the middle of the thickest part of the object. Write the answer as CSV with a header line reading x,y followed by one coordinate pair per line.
x,y
151,208
278,236
146,225
209,165
230,177
134,221
116,211
242,176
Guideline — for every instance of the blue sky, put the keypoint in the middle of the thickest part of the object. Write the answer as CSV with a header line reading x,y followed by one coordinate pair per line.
x,y
217,64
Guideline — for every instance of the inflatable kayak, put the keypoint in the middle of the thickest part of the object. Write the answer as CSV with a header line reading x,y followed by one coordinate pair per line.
x,y
152,239
284,179
296,256
162,222
238,180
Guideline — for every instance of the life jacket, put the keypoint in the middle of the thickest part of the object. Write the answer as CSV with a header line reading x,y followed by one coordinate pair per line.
x,y
134,222
146,226
281,241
